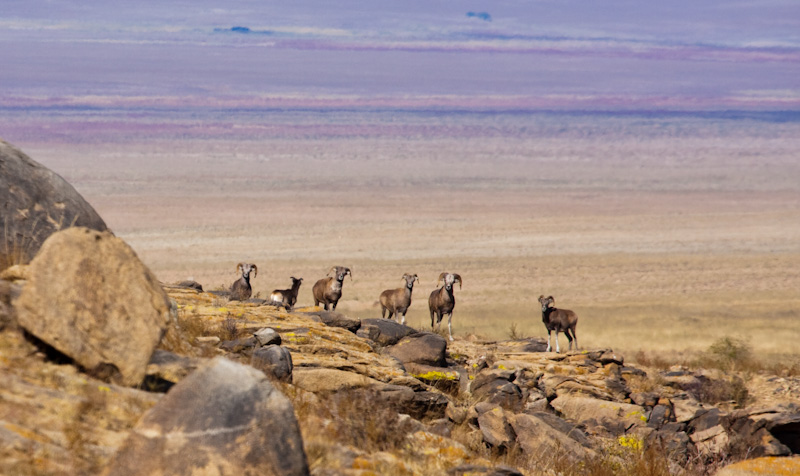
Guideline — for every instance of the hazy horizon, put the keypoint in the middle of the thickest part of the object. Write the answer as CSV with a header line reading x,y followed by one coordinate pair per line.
x,y
476,55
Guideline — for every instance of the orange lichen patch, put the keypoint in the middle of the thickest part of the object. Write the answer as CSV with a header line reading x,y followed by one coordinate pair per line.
x,y
769,465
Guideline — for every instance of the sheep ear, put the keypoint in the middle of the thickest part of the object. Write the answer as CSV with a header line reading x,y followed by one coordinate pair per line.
x,y
350,273
458,278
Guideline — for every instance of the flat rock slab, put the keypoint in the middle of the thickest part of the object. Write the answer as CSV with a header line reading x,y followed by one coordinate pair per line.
x,y
223,419
423,348
615,417
90,297
330,380
384,331
336,319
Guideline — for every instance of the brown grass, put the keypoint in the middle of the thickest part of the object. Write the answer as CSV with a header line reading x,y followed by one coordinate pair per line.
x,y
661,244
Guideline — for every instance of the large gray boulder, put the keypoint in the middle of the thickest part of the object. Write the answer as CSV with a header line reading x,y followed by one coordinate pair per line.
x,y
275,361
36,202
423,348
384,331
90,297
223,419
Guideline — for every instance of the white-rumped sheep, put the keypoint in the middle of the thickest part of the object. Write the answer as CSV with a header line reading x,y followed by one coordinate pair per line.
x,y
287,297
328,290
240,289
397,301
559,320
442,300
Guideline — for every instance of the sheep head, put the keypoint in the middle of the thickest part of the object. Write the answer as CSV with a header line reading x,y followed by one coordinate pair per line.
x,y
340,272
296,280
546,302
409,279
449,279
246,268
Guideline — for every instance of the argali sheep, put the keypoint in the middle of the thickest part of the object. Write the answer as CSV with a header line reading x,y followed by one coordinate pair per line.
x,y
240,289
559,320
287,297
328,290
397,301
442,300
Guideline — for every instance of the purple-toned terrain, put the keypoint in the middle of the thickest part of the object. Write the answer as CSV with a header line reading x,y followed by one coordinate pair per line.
x,y
487,55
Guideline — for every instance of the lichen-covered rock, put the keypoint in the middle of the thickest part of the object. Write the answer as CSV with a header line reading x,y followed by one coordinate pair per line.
x,y
224,419
496,429
91,298
536,437
600,415
37,202
330,380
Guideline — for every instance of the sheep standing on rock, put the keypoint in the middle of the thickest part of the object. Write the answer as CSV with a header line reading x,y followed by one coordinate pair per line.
x,y
442,300
328,290
397,301
287,297
559,320
240,289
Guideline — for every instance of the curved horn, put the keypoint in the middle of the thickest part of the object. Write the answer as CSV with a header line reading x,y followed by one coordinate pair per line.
x,y
458,278
332,270
552,299
441,278
541,297
240,268
348,272
255,270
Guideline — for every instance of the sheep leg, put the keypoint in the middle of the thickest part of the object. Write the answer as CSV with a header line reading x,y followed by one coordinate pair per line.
x,y
383,313
391,313
403,322
576,340
569,338
450,326
549,334
558,350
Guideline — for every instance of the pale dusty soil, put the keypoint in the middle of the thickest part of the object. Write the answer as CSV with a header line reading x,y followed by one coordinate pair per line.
x,y
658,243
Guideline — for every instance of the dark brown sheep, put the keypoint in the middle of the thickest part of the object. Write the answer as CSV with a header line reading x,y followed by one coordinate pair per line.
x,y
240,289
559,320
442,300
287,297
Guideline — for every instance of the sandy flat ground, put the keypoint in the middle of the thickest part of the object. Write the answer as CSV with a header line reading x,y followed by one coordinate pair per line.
x,y
660,235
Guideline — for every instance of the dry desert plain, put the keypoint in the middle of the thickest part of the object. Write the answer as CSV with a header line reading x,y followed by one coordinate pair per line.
x,y
664,232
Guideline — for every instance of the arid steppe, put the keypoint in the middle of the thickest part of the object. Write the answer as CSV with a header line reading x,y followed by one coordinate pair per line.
x,y
664,232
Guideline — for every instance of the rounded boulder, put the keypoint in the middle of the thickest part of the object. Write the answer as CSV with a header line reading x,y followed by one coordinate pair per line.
x,y
90,297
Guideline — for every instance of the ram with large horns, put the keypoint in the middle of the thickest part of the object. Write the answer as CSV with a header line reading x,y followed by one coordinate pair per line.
x,y
442,301
240,289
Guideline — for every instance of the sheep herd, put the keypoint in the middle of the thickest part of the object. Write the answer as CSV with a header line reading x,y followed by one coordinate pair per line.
x,y
441,302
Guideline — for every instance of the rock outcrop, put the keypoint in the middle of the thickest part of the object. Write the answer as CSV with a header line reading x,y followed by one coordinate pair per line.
x,y
36,202
223,419
90,297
